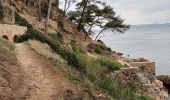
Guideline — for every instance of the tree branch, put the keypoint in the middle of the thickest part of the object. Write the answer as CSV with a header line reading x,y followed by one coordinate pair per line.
x,y
99,33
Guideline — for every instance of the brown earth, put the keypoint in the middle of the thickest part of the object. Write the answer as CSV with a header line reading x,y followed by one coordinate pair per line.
x,y
41,80
8,74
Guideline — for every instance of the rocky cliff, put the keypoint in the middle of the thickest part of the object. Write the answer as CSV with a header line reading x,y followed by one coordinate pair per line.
x,y
141,72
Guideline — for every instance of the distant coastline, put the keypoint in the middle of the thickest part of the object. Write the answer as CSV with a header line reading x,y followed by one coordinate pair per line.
x,y
150,41
152,25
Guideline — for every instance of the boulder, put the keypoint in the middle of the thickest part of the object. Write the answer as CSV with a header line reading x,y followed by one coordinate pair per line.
x,y
165,80
147,83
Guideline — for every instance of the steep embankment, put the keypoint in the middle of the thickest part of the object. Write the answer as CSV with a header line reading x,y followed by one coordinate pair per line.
x,y
9,71
40,80
25,75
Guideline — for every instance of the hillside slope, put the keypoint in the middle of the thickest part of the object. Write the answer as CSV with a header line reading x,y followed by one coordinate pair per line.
x,y
41,80
25,75
9,71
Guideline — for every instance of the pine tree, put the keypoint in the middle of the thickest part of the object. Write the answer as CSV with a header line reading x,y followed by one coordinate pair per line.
x,y
67,5
89,15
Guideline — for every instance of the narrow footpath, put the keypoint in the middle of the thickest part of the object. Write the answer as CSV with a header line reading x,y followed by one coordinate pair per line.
x,y
39,80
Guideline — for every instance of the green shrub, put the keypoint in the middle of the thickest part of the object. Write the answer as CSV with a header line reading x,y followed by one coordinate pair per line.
x,y
96,48
21,21
119,92
73,77
55,62
109,63
75,46
1,14
99,49
93,69
74,60
71,57
57,37
90,66
106,85
33,34
124,92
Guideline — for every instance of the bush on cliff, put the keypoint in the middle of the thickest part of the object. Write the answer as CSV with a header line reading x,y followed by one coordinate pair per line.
x,y
1,13
99,49
109,63
76,47
21,21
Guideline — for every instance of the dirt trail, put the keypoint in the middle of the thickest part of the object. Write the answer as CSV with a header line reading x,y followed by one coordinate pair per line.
x,y
39,79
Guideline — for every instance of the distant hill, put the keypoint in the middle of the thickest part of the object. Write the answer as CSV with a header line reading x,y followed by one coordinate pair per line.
x,y
152,25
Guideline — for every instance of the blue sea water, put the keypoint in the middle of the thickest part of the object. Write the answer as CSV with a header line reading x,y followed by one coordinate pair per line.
x,y
151,42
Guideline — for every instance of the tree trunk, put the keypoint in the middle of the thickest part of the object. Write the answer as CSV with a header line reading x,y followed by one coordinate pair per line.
x,y
91,26
12,12
39,11
65,6
13,15
48,16
99,34
82,15
26,2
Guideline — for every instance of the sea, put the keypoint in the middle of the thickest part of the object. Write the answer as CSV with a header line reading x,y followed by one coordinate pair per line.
x,y
148,41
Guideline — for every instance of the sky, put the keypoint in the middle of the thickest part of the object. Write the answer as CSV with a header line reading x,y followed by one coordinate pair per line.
x,y
142,11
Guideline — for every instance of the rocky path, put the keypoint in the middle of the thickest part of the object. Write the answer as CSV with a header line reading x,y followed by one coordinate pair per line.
x,y
39,79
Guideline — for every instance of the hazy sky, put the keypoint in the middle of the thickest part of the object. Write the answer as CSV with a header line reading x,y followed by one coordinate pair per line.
x,y
142,11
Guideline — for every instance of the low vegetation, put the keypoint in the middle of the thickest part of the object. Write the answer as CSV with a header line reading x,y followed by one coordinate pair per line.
x,y
109,63
73,77
42,49
55,62
57,37
6,44
1,14
99,49
118,91
76,47
21,21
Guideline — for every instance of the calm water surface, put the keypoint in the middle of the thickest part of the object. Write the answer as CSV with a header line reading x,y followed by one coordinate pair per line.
x,y
150,42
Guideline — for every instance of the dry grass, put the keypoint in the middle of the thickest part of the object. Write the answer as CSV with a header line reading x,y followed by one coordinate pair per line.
x,y
42,49
7,44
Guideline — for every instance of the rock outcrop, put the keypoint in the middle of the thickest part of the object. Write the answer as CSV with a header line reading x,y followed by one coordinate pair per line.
x,y
166,81
141,73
